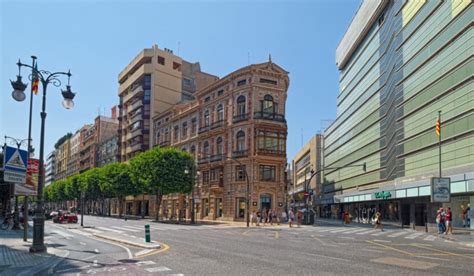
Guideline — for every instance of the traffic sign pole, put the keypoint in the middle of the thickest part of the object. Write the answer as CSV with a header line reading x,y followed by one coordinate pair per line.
x,y
147,233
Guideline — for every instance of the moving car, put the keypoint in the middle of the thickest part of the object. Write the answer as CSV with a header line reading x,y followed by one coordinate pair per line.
x,y
65,217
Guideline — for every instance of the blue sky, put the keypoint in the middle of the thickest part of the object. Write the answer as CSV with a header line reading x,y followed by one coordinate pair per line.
x,y
96,39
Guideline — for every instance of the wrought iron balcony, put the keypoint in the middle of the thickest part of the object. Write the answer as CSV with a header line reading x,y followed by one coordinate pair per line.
x,y
240,153
216,158
203,160
217,124
204,129
240,118
269,116
271,152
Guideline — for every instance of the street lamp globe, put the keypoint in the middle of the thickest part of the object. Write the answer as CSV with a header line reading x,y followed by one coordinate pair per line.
x,y
68,95
18,89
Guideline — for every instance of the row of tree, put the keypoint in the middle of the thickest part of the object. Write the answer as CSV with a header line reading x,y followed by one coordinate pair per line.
x,y
158,171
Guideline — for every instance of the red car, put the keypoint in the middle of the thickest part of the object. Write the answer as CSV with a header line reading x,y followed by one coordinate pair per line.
x,y
65,218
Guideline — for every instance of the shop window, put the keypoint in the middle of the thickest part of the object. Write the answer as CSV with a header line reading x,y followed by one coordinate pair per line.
x,y
240,207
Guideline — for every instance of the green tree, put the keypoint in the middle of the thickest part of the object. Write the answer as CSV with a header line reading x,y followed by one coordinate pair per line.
x,y
162,171
117,179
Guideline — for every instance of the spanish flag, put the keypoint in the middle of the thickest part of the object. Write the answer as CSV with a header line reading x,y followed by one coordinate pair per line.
x,y
35,82
438,126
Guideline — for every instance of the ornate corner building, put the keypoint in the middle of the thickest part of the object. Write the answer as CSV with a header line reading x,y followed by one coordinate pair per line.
x,y
234,126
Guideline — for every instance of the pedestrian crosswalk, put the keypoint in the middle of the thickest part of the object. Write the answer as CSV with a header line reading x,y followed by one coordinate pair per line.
x,y
362,232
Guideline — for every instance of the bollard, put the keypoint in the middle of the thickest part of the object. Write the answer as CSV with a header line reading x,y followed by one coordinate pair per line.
x,y
147,233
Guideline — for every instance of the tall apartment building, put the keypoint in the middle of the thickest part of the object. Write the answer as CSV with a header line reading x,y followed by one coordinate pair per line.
x,y
154,81
73,162
92,136
400,63
62,159
50,168
306,160
235,126
107,151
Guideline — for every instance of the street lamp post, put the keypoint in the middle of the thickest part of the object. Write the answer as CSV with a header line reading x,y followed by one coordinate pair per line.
x,y
46,77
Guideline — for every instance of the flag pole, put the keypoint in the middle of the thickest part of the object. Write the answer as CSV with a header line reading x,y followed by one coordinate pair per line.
x,y
439,141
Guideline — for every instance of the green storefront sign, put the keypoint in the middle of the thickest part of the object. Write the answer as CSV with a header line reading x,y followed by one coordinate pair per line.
x,y
383,195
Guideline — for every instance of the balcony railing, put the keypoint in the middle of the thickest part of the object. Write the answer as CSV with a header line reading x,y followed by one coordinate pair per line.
x,y
216,158
136,105
217,124
271,152
269,116
240,118
203,160
165,144
204,129
240,153
217,184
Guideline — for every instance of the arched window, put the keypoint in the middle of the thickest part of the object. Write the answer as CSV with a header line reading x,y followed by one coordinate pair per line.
x,y
205,149
240,141
207,121
220,113
268,105
219,146
241,109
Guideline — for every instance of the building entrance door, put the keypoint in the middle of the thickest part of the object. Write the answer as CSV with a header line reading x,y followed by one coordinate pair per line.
x,y
405,209
219,207
265,202
420,214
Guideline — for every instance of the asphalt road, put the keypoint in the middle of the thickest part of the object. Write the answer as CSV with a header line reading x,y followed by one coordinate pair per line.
x,y
278,250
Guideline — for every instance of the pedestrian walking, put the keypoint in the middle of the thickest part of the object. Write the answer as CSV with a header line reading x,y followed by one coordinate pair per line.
x,y
299,218
264,216
440,221
283,216
291,218
252,218
270,217
378,221
449,222
259,217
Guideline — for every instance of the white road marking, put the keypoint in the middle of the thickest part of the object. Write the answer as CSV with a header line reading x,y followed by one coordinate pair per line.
x,y
61,233
145,262
340,230
355,230
397,234
430,238
385,241
413,236
110,230
157,269
125,229
95,263
179,274
82,243
327,229
135,227
94,230
380,234
96,251
367,232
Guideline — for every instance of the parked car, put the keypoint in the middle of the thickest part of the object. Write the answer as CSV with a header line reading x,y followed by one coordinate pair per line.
x,y
65,217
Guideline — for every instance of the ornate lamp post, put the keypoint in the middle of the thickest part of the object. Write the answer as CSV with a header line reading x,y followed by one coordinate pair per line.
x,y
45,77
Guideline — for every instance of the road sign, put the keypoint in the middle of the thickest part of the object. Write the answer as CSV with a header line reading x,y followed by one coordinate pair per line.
x,y
15,161
440,189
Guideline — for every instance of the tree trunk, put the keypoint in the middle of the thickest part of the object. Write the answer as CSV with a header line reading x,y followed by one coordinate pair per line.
x,y
159,196
110,207
120,203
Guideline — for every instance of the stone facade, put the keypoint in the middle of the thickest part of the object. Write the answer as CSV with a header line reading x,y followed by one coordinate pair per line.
x,y
237,121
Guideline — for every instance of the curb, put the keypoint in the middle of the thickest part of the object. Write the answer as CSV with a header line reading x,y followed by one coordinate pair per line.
x,y
153,245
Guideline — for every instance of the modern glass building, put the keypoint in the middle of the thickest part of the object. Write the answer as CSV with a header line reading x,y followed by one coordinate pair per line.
x,y
400,63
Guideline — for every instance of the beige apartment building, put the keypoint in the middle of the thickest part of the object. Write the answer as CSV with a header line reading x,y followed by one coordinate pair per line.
x,y
62,159
235,126
154,81
306,160
73,162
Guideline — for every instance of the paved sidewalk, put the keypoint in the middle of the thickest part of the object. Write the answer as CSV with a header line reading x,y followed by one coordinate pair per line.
x,y
15,258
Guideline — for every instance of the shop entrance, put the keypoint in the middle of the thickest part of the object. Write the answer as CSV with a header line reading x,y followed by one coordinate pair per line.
x,y
265,202
420,214
405,209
